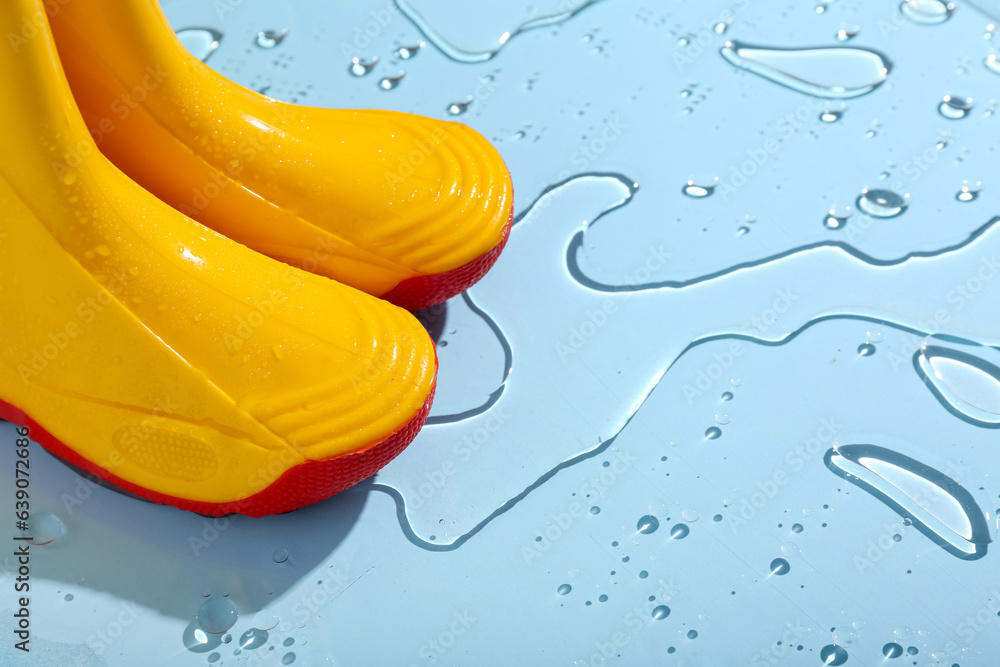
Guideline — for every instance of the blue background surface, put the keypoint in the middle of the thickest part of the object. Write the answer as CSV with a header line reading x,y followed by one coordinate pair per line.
x,y
579,382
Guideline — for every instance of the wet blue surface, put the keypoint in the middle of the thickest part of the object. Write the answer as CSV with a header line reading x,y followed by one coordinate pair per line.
x,y
730,396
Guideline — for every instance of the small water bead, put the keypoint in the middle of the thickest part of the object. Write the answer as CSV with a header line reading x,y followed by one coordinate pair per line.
x,y
831,115
780,566
727,396
955,108
912,650
200,42
44,528
797,528
227,638
743,230
68,597
882,203
288,658
837,217
266,619
927,12
565,589
679,531
217,615
268,39
643,574
866,349
648,524
253,639
595,510
407,52
692,634
698,191
390,82
992,63
359,67
713,433
722,419
969,192
892,650
458,108
717,518
280,555
847,34
833,655
603,598
661,612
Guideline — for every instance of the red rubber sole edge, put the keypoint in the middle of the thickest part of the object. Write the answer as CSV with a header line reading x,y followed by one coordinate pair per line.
x,y
421,292
302,485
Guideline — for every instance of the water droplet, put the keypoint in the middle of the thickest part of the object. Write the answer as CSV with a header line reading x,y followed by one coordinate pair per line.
x,y
458,108
288,658
722,419
44,528
390,82
721,27
939,507
698,191
565,589
643,574
692,634
873,336
847,34
831,115
866,349
993,63
969,192
201,42
962,378
407,52
727,396
359,67
837,217
743,230
833,655
227,638
892,650
268,39
927,12
253,639
713,433
661,612
797,528
68,597
832,72
265,619
679,531
280,555
217,615
955,108
780,566
882,203
648,524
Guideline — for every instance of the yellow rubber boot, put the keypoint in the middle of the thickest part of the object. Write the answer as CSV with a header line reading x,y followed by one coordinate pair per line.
x,y
164,357
407,208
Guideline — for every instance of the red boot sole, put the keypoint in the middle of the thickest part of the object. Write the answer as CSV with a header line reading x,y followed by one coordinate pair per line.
x,y
301,485
421,292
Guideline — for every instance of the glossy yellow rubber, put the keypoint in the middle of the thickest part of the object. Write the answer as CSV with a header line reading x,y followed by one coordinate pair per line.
x,y
170,356
369,198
